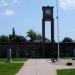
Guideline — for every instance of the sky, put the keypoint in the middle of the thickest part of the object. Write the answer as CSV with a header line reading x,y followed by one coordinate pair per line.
x,y
24,15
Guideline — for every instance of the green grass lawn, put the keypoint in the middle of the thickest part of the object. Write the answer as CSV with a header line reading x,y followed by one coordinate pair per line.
x,y
13,59
66,72
10,68
67,57
19,59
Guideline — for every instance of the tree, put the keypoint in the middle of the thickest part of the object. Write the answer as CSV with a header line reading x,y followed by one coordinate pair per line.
x,y
39,36
12,36
32,35
67,40
13,32
4,38
20,39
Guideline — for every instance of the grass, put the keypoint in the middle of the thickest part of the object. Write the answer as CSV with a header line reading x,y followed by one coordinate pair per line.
x,y
19,59
67,57
66,72
13,59
10,69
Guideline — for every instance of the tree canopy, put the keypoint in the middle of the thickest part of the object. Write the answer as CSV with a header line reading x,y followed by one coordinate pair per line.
x,y
4,38
67,40
34,37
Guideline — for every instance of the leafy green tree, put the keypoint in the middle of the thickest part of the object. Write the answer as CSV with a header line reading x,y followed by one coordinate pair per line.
x,y
12,36
20,39
32,35
35,37
13,32
67,40
39,36
4,38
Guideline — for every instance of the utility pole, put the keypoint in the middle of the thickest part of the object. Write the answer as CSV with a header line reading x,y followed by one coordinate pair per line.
x,y
57,28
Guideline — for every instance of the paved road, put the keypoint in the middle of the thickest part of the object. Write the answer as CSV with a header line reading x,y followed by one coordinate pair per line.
x,y
37,67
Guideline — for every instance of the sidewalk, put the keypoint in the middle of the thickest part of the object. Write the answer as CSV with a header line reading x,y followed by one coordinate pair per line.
x,y
43,67
37,67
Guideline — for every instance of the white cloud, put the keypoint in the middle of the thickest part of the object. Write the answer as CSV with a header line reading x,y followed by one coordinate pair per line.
x,y
67,4
9,13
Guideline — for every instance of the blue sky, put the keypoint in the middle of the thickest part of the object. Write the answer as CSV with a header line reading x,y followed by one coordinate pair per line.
x,y
24,15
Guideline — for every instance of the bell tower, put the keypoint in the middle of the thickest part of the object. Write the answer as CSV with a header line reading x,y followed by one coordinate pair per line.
x,y
47,16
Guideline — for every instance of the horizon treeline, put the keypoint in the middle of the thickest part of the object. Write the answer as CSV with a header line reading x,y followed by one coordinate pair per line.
x,y
32,35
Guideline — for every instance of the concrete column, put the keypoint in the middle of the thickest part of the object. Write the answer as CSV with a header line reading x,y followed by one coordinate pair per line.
x,y
9,56
43,38
52,31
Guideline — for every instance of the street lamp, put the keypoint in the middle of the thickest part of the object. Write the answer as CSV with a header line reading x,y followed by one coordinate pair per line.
x,y
57,27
